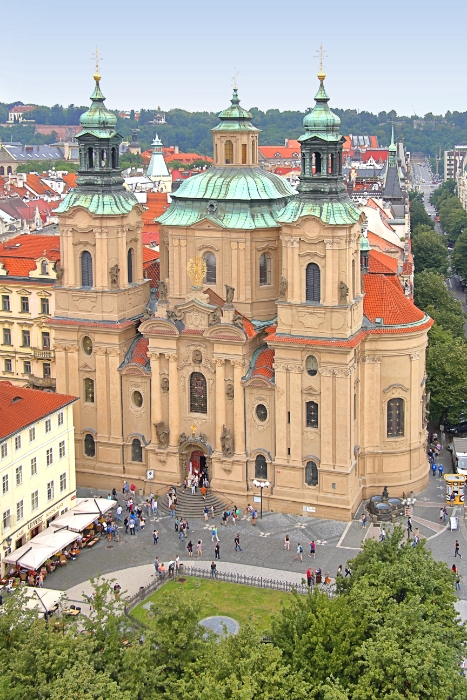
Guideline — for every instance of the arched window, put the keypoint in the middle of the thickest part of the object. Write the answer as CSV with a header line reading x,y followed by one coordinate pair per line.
x,y
136,451
311,414
130,257
313,283
86,269
311,474
88,390
316,163
9,170
228,150
261,467
244,153
2,170
265,269
103,157
44,268
114,158
395,418
89,445
198,393
210,260
90,158
331,164
253,151
311,365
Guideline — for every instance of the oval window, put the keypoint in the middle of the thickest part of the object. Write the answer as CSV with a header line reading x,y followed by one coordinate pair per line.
x,y
261,412
311,365
138,399
87,345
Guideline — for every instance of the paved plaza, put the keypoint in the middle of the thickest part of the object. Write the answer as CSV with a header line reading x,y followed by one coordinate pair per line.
x,y
131,560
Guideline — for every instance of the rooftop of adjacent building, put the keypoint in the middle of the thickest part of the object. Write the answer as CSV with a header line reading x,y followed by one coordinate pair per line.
x,y
19,255
22,407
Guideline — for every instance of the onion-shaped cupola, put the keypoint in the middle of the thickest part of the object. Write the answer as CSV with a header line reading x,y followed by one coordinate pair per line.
x,y
235,138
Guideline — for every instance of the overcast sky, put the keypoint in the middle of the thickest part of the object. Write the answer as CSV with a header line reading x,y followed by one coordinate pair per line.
x,y
407,55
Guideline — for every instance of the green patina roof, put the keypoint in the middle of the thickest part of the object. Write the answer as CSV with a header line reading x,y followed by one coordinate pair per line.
x,y
227,214
235,118
364,244
103,203
330,212
237,183
321,121
98,116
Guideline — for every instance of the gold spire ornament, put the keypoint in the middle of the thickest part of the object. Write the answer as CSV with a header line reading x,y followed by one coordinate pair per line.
x,y
95,57
321,54
234,78
196,269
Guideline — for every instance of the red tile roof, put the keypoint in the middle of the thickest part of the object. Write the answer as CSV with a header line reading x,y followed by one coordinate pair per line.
x,y
19,255
303,340
381,263
387,301
264,364
156,204
271,151
376,241
139,356
186,157
149,254
152,273
34,183
20,407
70,180
216,300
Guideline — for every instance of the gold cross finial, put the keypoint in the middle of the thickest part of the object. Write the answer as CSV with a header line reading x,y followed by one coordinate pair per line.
x,y
321,54
95,57
234,78
193,430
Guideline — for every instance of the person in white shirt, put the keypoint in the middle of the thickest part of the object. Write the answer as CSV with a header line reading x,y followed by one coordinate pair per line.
x,y
119,512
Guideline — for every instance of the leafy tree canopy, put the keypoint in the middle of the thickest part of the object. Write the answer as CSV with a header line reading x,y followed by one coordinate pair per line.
x,y
446,366
430,252
459,257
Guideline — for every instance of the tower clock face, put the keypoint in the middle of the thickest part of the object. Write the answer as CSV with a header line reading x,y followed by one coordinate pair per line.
x,y
87,345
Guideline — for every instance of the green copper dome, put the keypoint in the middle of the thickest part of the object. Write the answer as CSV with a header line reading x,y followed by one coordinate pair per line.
x,y
321,121
98,116
235,118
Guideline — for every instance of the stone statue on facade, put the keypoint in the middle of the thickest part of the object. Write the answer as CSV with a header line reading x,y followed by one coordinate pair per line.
x,y
229,392
197,357
227,442
183,438
59,271
163,432
174,315
114,270
282,288
163,291
214,318
165,384
343,292
203,438
229,294
237,320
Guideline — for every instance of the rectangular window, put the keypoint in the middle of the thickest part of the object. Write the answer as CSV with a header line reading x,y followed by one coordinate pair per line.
x,y
6,336
4,450
311,414
50,490
62,482
25,305
44,306
19,511
244,147
18,442
19,475
48,425
49,456
46,370
5,484
8,365
26,336
46,341
6,519
61,449
5,302
27,367
34,466
32,434
34,500
60,418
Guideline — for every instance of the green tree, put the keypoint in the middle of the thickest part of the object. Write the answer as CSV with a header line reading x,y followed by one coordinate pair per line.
x,y
459,256
446,366
418,215
430,252
431,295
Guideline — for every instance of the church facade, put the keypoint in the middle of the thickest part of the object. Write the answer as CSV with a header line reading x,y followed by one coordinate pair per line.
x,y
272,352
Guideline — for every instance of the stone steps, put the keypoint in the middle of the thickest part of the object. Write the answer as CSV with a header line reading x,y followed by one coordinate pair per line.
x,y
192,505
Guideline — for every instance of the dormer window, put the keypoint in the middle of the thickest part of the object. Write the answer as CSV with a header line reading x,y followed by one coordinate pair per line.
x,y
44,267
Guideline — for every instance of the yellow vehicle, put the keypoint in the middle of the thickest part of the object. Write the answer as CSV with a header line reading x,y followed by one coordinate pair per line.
x,y
455,485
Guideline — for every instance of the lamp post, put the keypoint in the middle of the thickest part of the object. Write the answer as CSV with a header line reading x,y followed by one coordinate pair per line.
x,y
261,485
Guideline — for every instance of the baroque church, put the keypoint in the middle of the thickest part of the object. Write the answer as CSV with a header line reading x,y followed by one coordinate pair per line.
x,y
272,351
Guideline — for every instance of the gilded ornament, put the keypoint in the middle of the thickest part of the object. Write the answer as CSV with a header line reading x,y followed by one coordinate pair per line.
x,y
196,269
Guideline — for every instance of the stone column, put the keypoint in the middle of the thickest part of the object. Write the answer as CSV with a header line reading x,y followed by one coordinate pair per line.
x,y
174,401
239,410
100,392
220,400
75,387
61,373
299,295
325,417
115,403
156,403
326,293
281,410
296,413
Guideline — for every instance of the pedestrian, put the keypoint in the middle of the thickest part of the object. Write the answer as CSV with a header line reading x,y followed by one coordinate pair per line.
x,y
214,534
40,581
339,570
184,485
454,569
456,550
237,542
363,521
199,547
452,498
206,513
433,467
234,515
126,488
177,564
119,513
155,536
382,536
415,541
439,447
299,554
441,514
409,527
133,490
212,512
287,542
347,571
193,487
440,470
190,548
177,523
154,507
213,570
313,549
125,522
173,509
137,523
156,565
132,526
142,522
254,515
217,551
116,533
309,577
114,494
435,437
445,513
225,517
458,582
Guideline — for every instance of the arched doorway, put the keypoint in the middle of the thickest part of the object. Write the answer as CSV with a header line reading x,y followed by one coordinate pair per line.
x,y
197,463
195,458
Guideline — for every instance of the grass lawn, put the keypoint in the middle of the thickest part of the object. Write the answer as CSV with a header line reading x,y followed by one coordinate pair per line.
x,y
243,603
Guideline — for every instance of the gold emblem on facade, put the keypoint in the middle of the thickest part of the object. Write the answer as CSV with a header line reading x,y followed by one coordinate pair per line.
x,y
196,269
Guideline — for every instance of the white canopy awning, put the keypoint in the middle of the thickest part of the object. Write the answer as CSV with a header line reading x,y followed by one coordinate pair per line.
x,y
30,556
77,523
54,537
41,599
98,506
